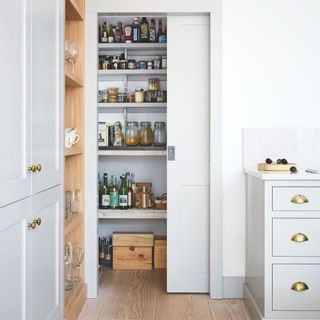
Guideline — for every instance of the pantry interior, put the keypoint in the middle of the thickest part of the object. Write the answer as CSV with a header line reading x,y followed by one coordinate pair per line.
x,y
169,167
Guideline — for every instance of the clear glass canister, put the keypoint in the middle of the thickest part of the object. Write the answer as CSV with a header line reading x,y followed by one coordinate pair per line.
x,y
145,134
159,134
132,133
139,95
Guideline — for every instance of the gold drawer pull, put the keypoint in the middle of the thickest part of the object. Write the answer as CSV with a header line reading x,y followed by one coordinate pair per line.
x,y
299,286
299,237
299,199
32,225
35,168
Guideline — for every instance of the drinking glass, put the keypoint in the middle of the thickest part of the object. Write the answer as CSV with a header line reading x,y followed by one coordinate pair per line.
x,y
78,260
67,200
75,201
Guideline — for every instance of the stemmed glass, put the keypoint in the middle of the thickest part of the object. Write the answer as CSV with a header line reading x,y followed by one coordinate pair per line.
x,y
71,53
78,256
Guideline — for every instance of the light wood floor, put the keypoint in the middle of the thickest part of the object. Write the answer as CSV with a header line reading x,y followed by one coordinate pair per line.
x,y
140,295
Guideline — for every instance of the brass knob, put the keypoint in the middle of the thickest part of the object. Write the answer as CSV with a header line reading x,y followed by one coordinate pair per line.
x,y
38,167
32,168
37,221
299,286
32,225
299,237
299,199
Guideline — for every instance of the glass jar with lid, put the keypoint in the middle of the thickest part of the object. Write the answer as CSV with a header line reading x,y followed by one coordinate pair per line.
x,y
159,134
145,134
132,133
139,95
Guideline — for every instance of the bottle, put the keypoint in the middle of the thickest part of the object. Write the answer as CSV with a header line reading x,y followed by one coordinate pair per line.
x,y
119,33
68,272
128,33
160,31
104,33
123,194
153,32
105,196
134,189
136,30
99,190
144,26
113,192
130,194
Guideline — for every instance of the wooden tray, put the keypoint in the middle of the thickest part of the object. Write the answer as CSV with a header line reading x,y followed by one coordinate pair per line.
x,y
275,166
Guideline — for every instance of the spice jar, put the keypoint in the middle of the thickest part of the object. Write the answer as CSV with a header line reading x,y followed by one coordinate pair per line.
x,y
154,84
142,64
159,134
139,95
132,64
112,95
145,138
132,133
161,96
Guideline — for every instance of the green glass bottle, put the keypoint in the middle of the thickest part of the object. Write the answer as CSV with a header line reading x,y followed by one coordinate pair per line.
x,y
114,195
105,196
123,194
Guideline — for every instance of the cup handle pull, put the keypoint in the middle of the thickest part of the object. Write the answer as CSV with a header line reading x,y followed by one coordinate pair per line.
x,y
77,139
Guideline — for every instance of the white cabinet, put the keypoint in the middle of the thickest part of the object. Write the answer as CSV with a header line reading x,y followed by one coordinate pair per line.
x,y
31,267
30,123
282,245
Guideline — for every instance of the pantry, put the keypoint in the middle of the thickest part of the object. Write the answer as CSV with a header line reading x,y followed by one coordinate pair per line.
x,y
148,124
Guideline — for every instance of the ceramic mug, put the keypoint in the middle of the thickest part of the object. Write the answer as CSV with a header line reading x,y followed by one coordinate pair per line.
x,y
71,137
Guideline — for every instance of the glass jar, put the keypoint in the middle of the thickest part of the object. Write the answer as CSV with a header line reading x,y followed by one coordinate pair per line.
x,y
145,138
132,64
75,201
132,133
122,97
139,95
153,84
161,96
67,199
68,267
159,134
112,95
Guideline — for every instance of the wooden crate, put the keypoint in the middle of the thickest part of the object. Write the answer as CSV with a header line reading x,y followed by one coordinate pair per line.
x,y
132,239
160,252
132,258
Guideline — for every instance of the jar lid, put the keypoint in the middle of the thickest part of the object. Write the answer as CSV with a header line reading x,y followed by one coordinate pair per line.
x,y
132,123
145,124
160,124
139,89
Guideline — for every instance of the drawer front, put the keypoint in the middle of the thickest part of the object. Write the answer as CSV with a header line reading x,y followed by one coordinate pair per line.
x,y
305,278
132,258
137,239
296,198
296,237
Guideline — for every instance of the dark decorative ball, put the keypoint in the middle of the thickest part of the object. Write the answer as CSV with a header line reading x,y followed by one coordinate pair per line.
x,y
268,161
284,161
293,169
279,161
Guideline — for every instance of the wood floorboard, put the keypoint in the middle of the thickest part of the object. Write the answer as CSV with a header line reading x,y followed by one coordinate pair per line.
x,y
141,295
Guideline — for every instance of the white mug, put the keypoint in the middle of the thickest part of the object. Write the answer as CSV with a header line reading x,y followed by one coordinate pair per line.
x,y
71,137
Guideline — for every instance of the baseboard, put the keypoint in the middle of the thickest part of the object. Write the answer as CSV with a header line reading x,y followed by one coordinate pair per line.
x,y
251,304
233,287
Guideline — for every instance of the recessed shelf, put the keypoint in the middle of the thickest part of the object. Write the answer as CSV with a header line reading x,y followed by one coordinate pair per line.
x,y
155,107
132,214
134,151
72,222
71,295
73,151
112,72
132,46
73,11
72,80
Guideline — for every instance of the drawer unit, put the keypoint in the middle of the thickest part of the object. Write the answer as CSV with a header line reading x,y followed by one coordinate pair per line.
x,y
296,198
132,258
160,252
296,237
296,287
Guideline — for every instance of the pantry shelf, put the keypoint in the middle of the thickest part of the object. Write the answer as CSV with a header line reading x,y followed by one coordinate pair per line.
x,y
73,151
73,11
132,46
134,153
72,223
132,214
72,80
111,72
156,107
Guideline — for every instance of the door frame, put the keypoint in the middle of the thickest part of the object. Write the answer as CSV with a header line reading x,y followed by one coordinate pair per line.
x,y
91,156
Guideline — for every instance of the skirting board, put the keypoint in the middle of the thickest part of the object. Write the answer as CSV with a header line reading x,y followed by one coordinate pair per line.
x,y
233,287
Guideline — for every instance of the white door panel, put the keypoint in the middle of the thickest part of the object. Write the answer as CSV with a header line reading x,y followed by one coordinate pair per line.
x,y
46,255
45,93
15,180
189,175
15,261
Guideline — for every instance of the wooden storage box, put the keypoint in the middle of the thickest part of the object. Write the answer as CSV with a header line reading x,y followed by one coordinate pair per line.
x,y
160,252
132,250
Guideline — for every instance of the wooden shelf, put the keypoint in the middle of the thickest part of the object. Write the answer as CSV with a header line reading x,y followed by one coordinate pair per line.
x,y
73,11
132,46
72,222
74,300
73,151
134,153
132,72
132,214
72,80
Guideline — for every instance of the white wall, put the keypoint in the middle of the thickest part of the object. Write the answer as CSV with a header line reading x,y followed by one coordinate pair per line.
x,y
271,70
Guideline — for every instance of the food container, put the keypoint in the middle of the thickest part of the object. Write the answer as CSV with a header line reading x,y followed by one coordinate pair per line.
x,y
132,133
164,62
123,64
112,95
154,84
122,97
132,64
150,96
132,97
161,96
145,136
150,64
157,63
159,134
139,95
142,64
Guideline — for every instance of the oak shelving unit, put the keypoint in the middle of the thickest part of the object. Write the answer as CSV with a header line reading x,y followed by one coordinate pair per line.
x,y
74,157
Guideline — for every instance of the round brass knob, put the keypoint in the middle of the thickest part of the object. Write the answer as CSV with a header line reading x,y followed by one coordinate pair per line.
x,y
38,167
37,221
32,168
32,225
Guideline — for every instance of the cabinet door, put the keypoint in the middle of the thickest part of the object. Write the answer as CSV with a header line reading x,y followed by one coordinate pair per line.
x,y
188,176
15,261
15,180
46,256
47,67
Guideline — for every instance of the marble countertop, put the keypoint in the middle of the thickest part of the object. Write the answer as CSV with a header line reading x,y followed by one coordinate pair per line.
x,y
281,175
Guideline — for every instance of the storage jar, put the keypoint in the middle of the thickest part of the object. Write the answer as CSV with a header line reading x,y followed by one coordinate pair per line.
x,y
159,134
145,134
139,95
132,133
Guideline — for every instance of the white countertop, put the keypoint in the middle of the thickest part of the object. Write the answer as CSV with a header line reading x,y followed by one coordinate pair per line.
x,y
281,175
